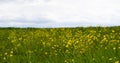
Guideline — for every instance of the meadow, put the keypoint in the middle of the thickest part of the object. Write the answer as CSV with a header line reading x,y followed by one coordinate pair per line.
x,y
60,45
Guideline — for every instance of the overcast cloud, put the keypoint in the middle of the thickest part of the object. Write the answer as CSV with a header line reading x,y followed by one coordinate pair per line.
x,y
59,13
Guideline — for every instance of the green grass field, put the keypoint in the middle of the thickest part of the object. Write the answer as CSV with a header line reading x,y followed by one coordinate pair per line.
x,y
60,45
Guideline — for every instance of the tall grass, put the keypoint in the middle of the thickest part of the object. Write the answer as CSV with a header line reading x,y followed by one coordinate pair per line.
x,y
60,45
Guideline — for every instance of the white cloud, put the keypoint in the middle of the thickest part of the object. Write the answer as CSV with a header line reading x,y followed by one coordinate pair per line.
x,y
49,13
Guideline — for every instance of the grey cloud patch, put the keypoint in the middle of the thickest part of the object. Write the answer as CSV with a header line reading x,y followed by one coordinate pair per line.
x,y
7,1
48,24
35,21
14,1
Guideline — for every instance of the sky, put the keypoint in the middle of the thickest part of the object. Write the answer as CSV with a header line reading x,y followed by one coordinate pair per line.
x,y
59,13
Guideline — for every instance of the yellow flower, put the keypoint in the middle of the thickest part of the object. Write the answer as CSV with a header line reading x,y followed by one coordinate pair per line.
x,y
67,51
6,53
46,53
67,46
65,61
43,43
113,31
106,48
69,43
114,48
4,58
11,55
20,38
56,54
73,60
29,51
81,52
13,41
116,61
18,45
110,58
11,52
93,59
115,57
53,47
77,42
119,47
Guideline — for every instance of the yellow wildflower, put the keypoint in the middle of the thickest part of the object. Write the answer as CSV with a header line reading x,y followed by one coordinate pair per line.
x,y
110,58
20,38
11,55
67,46
6,53
4,58
65,61
11,52
73,60
93,59
114,48
116,61
46,53
113,31
18,45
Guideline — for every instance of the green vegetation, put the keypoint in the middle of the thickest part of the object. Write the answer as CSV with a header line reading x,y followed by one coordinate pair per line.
x,y
60,45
